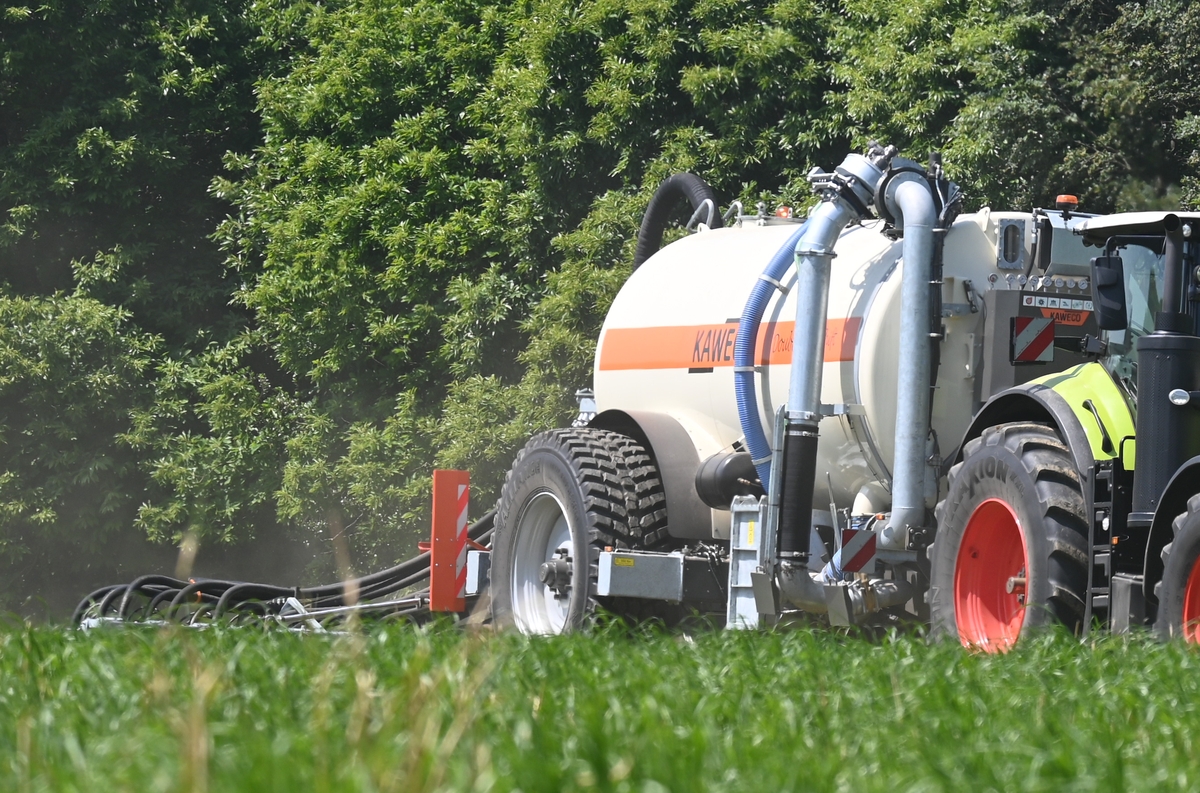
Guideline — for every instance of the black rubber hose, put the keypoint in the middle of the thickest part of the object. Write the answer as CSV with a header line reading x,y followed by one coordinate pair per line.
x,y
149,592
384,582
91,600
387,589
681,186
202,588
399,571
157,600
226,594
237,595
799,472
146,580
110,598
479,528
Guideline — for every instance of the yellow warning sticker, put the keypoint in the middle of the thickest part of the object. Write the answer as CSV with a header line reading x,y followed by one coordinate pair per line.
x,y
622,561
750,533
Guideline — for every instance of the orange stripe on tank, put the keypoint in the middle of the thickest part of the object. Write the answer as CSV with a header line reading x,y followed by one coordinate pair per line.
x,y
705,346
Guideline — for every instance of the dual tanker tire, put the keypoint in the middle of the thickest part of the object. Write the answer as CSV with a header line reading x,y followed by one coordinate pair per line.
x,y
1179,590
1010,555
570,493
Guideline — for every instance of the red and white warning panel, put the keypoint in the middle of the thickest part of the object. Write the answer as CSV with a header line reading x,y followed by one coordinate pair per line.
x,y
448,546
1032,340
858,549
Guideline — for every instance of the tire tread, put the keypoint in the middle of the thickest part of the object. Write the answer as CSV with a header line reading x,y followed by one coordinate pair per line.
x,y
1059,493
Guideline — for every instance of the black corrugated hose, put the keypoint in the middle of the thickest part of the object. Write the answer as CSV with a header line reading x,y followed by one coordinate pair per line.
x,y
165,597
680,187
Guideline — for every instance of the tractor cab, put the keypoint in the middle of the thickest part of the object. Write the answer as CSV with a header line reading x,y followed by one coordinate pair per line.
x,y
1146,287
1129,277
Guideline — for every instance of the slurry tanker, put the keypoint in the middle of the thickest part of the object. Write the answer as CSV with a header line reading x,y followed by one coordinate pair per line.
x,y
888,411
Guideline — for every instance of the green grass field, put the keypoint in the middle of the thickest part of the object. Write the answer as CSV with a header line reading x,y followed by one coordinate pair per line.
x,y
405,709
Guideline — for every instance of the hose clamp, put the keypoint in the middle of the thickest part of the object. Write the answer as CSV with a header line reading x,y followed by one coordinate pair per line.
x,y
773,282
761,460
803,417
745,369
847,194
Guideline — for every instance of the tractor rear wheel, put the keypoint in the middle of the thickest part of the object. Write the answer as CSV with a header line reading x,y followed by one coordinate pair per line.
x,y
1010,554
1179,591
570,493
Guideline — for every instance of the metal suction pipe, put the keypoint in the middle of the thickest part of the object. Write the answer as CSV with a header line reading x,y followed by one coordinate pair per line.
x,y
798,588
845,195
909,199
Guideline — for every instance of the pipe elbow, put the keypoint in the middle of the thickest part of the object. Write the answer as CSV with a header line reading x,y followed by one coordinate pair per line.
x,y
910,200
799,589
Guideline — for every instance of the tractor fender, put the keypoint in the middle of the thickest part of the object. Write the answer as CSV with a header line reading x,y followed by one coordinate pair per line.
x,y
1184,484
1034,402
674,453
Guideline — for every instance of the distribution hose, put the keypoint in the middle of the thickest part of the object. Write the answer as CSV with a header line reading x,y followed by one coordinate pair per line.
x,y
220,597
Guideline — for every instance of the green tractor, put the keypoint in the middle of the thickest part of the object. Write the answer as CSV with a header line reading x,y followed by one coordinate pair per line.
x,y
1075,497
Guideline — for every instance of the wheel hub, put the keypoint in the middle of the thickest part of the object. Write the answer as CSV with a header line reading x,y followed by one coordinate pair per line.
x,y
556,573
543,569
991,579
1191,605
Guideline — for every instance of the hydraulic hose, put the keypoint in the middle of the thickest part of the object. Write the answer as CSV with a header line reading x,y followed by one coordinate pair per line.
x,y
745,390
681,186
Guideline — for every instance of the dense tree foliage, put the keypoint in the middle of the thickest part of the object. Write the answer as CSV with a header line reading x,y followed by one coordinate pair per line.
x,y
266,264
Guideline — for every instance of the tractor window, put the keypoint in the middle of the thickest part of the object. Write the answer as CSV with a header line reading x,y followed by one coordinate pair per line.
x,y
1143,283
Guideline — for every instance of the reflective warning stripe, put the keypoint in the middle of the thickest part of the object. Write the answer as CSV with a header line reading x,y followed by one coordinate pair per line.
x,y
711,346
858,549
448,546
460,560
1032,339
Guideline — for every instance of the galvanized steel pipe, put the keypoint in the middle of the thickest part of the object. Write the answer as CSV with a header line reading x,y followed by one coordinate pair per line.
x,y
910,200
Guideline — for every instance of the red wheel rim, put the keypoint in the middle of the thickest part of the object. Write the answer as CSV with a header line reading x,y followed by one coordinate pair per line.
x,y
989,579
1191,605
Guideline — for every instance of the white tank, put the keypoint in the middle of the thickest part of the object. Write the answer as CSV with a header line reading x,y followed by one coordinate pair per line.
x,y
667,343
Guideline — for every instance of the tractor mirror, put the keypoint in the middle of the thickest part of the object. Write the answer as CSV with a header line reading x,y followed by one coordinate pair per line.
x,y
1108,292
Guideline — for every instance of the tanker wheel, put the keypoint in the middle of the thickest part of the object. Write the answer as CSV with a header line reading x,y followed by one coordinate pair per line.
x,y
570,493
1179,590
1010,554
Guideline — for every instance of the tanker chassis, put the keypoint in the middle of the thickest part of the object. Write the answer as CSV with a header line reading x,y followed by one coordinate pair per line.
x,y
887,411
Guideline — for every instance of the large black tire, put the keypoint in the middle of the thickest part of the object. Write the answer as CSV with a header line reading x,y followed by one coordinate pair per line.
x,y
605,489
1179,590
1017,501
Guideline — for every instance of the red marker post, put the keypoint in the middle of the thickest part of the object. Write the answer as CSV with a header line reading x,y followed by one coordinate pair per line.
x,y
448,546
